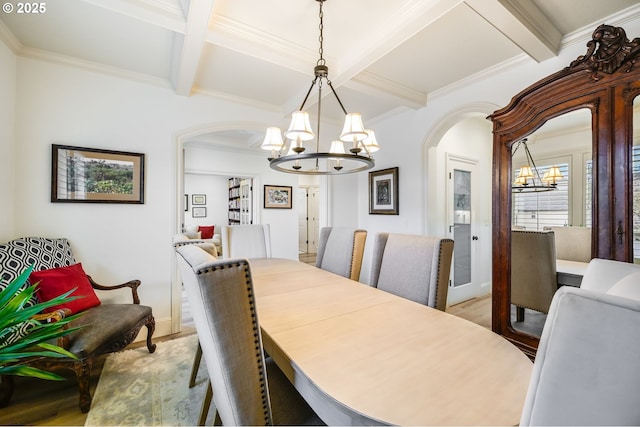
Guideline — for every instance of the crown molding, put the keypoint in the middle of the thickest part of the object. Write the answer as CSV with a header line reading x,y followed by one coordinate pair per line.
x,y
56,58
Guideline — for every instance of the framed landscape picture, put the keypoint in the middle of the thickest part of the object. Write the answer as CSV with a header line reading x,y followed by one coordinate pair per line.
x,y
277,197
383,192
91,175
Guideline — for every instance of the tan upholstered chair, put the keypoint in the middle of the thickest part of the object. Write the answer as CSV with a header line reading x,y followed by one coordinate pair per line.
x,y
247,241
249,388
573,243
533,271
413,267
586,368
340,251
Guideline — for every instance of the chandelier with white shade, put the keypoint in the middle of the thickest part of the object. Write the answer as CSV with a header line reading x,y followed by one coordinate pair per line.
x,y
529,180
362,142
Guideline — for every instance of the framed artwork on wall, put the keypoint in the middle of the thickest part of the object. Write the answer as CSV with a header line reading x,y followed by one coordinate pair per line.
x,y
383,192
277,197
91,175
198,212
199,199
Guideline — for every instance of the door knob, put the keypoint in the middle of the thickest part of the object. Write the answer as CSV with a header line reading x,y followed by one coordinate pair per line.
x,y
474,238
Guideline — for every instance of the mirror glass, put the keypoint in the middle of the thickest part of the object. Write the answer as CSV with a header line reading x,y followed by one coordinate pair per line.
x,y
550,215
635,158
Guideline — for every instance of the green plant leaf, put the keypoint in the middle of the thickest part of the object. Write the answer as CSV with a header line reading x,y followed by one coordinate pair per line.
x,y
38,340
28,371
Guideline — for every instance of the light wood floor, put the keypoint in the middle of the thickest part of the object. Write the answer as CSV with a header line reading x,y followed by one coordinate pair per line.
x,y
55,403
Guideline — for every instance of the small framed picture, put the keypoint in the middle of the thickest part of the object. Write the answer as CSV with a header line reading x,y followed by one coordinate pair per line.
x,y
383,192
198,212
277,197
199,199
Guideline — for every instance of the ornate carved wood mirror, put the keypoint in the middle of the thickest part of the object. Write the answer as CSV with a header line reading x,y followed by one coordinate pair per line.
x,y
603,83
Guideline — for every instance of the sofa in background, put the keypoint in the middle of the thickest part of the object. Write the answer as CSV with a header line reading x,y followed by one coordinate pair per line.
x,y
200,233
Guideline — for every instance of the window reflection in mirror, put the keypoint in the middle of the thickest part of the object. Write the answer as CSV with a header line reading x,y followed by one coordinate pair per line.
x,y
551,207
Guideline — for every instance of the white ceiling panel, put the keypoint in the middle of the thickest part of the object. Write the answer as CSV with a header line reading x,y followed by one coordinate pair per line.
x,y
79,30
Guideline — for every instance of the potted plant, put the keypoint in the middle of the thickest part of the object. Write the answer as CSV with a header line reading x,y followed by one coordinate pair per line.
x,y
25,333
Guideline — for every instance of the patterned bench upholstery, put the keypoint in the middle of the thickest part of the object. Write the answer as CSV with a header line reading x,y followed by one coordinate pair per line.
x,y
106,328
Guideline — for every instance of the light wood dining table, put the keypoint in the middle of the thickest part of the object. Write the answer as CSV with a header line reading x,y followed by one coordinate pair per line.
x,y
362,356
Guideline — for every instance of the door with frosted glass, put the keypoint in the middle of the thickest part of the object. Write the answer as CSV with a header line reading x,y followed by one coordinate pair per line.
x,y
461,198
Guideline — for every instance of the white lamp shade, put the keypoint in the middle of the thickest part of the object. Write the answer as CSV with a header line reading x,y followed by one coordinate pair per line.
x,y
370,141
337,147
353,129
300,127
273,139
525,172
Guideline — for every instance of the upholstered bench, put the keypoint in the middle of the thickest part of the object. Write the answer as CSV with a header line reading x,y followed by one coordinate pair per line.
x,y
105,328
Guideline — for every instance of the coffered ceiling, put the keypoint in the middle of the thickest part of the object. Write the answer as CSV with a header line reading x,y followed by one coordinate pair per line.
x,y
383,55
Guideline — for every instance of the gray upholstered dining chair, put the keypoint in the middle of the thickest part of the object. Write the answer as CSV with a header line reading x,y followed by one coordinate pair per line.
x,y
340,251
247,241
249,388
587,368
413,267
533,271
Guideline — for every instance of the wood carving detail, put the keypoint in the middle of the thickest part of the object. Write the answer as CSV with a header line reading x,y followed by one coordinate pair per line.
x,y
608,51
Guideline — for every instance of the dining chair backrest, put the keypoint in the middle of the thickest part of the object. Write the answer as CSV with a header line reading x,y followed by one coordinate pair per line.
x,y
220,293
413,267
246,241
340,250
533,269
586,370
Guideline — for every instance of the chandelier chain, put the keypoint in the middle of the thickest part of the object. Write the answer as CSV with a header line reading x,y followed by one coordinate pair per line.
x,y
321,37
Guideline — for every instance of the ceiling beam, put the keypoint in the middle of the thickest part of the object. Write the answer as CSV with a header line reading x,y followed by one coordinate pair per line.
x,y
522,23
187,55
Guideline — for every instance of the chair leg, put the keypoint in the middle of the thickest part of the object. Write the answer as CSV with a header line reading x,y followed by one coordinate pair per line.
x,y
151,327
6,389
83,374
519,314
206,404
196,365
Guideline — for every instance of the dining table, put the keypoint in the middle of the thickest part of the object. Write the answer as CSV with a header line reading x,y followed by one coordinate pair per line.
x,y
363,356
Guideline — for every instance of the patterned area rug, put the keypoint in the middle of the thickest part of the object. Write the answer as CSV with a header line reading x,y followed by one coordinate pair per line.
x,y
141,389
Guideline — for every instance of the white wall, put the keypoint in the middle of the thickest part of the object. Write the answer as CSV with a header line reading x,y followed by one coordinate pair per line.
x,y
283,222
216,190
115,242
61,104
408,141
7,141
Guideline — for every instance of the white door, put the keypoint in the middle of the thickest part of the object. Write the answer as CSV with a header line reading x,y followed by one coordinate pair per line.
x,y
462,197
314,220
301,202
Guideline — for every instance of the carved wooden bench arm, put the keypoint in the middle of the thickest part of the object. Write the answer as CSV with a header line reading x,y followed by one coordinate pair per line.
x,y
133,284
54,316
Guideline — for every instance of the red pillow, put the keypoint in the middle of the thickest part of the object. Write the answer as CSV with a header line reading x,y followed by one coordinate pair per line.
x,y
57,281
206,231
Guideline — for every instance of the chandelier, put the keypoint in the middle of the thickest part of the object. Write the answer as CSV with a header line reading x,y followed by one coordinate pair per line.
x,y
529,180
336,160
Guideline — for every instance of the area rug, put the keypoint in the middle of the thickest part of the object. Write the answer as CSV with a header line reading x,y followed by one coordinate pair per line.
x,y
137,388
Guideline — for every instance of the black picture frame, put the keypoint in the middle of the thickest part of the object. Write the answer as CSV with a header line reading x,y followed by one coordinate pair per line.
x,y
383,192
75,172
277,197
